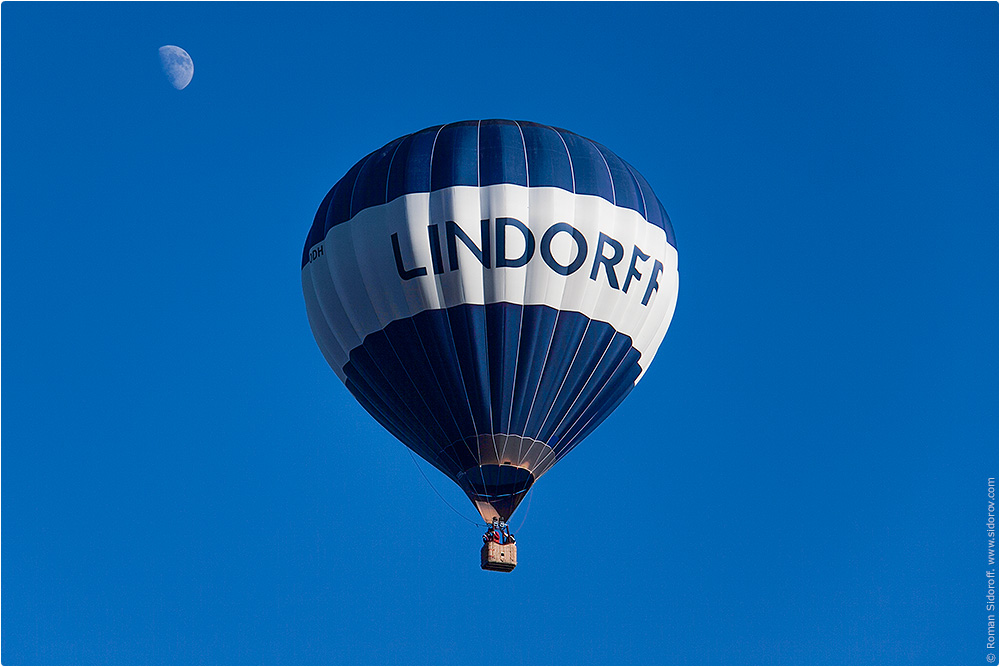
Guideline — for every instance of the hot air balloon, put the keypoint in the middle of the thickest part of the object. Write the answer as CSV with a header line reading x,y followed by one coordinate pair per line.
x,y
490,291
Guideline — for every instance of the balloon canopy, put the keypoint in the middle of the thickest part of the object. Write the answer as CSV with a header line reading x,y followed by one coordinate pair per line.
x,y
490,291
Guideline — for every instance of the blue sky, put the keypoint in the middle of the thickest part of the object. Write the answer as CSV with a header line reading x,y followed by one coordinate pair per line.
x,y
800,477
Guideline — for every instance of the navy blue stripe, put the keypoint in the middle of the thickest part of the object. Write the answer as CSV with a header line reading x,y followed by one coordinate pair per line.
x,y
369,187
486,153
411,166
593,345
537,324
627,193
654,213
609,398
400,430
590,173
668,226
593,392
340,203
569,332
382,350
366,380
502,154
548,161
443,379
408,345
468,332
503,326
456,156
438,344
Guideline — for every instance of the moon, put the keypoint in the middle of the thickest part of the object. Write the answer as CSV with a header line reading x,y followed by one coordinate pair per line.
x,y
177,65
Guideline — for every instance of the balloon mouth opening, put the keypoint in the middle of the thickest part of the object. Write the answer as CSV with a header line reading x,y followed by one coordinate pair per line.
x,y
496,489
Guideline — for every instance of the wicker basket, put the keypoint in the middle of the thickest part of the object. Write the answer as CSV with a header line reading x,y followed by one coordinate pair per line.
x,y
499,557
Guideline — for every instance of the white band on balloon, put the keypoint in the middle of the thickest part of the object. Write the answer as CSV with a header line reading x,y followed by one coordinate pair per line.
x,y
385,264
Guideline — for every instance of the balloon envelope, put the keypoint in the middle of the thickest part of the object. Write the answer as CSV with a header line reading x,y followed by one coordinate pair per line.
x,y
490,291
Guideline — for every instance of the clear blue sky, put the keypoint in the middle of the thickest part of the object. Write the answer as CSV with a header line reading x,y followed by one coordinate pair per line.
x,y
799,478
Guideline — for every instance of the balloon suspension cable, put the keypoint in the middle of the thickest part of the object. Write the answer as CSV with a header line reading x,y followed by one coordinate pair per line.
x,y
474,523
527,509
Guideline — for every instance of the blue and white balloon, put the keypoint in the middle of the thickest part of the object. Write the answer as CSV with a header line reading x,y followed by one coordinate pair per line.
x,y
490,291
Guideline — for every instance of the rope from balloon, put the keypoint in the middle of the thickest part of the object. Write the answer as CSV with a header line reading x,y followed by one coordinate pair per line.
x,y
474,523
527,509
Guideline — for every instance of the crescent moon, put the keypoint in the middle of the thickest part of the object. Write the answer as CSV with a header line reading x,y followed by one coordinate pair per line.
x,y
177,65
